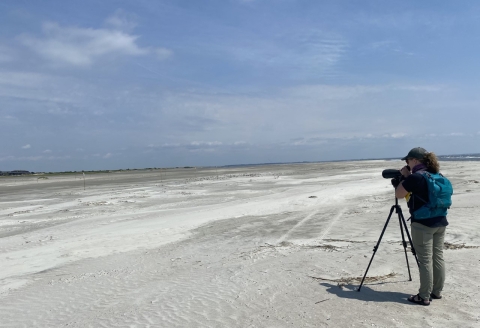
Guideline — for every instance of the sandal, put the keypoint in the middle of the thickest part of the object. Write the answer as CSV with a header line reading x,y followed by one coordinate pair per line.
x,y
418,300
435,297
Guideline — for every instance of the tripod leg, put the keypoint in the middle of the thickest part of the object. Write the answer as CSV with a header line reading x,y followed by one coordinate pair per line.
x,y
404,243
400,215
376,246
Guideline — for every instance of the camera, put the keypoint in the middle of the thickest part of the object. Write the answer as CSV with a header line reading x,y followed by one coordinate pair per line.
x,y
391,174
395,175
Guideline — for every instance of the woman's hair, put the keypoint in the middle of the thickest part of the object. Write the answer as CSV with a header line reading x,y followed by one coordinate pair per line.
x,y
431,161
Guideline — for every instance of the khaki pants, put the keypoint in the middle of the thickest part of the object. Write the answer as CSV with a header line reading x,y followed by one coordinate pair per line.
x,y
428,243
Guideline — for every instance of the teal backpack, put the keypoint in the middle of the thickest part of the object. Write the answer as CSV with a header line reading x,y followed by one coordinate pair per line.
x,y
440,192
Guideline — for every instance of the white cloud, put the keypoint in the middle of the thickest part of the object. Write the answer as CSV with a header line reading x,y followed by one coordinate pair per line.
x,y
457,134
171,145
59,157
304,52
58,110
51,93
305,141
122,20
81,46
323,91
203,143
420,88
385,44
197,145
108,155
26,146
341,92
47,151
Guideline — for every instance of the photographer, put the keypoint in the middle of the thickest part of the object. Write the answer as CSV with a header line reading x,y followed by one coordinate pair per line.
x,y
427,233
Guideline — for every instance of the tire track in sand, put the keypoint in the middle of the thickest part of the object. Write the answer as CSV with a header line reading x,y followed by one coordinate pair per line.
x,y
335,219
307,218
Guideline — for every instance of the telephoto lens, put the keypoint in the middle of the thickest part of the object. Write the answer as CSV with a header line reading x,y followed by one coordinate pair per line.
x,y
391,173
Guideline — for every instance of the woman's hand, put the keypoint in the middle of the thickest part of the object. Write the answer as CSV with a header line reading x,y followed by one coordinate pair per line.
x,y
405,171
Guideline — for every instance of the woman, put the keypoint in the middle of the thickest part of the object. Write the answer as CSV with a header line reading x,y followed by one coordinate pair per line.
x,y
427,234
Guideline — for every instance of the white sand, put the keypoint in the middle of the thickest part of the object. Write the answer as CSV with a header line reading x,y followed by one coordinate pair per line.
x,y
246,249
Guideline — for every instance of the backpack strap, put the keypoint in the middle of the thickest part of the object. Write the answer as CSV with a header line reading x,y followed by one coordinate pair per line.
x,y
417,196
423,200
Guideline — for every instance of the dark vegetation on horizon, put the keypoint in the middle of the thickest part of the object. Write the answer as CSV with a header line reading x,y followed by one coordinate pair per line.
x,y
16,173
3,174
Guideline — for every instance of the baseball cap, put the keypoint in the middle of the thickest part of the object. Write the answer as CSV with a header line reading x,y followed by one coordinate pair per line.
x,y
418,153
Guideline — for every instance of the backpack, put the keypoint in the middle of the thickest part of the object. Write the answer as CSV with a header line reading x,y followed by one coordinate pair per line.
x,y
440,192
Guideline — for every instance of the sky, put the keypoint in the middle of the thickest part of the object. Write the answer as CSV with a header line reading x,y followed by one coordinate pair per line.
x,y
98,85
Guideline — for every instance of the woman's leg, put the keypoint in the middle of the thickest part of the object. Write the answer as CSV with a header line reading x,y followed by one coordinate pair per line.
x,y
438,262
422,238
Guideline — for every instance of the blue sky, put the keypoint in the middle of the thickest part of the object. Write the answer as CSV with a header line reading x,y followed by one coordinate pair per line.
x,y
132,84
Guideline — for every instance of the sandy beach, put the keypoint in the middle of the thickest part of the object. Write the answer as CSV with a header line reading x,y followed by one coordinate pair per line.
x,y
257,246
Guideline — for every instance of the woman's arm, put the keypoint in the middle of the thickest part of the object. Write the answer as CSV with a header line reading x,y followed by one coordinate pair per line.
x,y
400,192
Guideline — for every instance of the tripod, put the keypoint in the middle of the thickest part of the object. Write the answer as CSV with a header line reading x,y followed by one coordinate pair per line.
x,y
403,224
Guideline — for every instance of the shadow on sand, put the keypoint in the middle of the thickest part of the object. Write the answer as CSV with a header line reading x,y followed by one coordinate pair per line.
x,y
366,294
